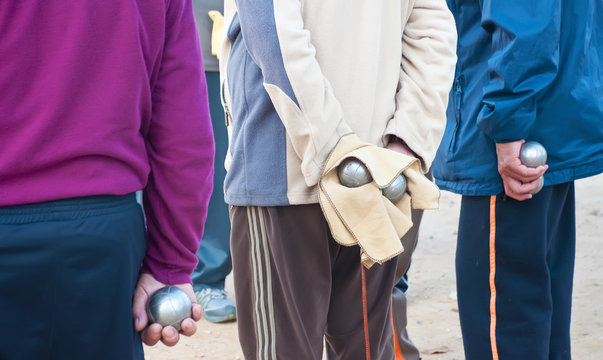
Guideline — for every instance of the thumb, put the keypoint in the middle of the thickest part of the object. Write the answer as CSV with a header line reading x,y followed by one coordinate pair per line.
x,y
139,308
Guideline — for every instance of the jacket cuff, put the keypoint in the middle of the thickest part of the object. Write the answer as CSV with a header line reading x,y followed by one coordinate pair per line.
x,y
166,276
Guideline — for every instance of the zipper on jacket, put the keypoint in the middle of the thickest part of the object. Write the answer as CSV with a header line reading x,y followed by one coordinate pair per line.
x,y
458,102
227,115
458,88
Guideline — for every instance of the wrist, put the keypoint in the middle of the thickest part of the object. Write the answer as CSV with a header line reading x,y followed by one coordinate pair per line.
x,y
393,140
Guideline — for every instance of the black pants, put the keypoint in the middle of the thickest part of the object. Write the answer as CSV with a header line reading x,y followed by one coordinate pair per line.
x,y
405,348
67,274
515,266
295,286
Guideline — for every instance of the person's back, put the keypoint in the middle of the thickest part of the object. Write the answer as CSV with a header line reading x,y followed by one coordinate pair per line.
x,y
78,84
527,71
99,99
305,82
342,69
555,93
83,85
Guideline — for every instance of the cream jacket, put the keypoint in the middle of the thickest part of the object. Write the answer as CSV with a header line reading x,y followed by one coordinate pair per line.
x,y
297,75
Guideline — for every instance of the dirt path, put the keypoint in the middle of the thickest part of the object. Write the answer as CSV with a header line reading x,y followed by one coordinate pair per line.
x,y
433,314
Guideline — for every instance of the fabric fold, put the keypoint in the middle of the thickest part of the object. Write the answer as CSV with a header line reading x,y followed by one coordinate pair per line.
x,y
363,216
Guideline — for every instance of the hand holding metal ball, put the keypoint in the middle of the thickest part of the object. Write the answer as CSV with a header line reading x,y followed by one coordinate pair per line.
x,y
169,306
352,173
533,154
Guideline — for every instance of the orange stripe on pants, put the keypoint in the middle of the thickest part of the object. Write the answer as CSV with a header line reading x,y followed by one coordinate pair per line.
x,y
492,274
399,355
365,314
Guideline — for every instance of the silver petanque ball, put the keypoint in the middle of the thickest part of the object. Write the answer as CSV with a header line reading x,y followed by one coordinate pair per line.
x,y
352,173
532,154
169,306
538,187
396,189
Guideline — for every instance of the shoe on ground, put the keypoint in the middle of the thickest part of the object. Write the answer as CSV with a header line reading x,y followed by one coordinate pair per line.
x,y
217,307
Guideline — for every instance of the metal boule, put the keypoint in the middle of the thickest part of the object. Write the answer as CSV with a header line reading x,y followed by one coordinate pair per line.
x,y
539,186
169,306
352,173
396,189
532,154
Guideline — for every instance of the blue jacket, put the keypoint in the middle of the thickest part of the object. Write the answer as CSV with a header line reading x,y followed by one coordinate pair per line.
x,y
527,69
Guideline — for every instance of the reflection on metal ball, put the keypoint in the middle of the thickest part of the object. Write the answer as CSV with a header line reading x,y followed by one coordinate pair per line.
x,y
169,306
396,190
538,187
352,173
532,154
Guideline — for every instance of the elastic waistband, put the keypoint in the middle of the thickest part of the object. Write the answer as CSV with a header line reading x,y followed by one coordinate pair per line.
x,y
80,207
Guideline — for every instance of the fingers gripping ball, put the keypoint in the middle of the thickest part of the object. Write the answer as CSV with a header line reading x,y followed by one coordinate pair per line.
x,y
396,189
352,173
169,306
533,154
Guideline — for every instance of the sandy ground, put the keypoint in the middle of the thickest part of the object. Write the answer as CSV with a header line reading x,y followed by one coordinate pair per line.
x,y
433,314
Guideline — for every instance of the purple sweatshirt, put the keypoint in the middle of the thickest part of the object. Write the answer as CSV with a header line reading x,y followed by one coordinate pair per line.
x,y
109,97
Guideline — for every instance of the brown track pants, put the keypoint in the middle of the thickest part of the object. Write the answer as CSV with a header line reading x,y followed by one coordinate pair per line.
x,y
295,287
405,349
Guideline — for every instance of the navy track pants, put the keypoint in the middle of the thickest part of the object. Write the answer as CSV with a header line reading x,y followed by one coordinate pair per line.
x,y
515,265
68,269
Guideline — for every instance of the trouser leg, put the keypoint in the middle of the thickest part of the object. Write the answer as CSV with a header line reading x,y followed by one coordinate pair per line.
x,y
561,259
510,260
472,275
67,273
345,335
294,283
282,264
405,349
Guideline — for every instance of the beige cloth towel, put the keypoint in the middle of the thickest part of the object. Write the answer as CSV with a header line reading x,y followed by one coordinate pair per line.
x,y
363,216
217,32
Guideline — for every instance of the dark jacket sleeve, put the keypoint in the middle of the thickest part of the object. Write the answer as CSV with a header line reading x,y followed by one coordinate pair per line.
x,y
523,62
